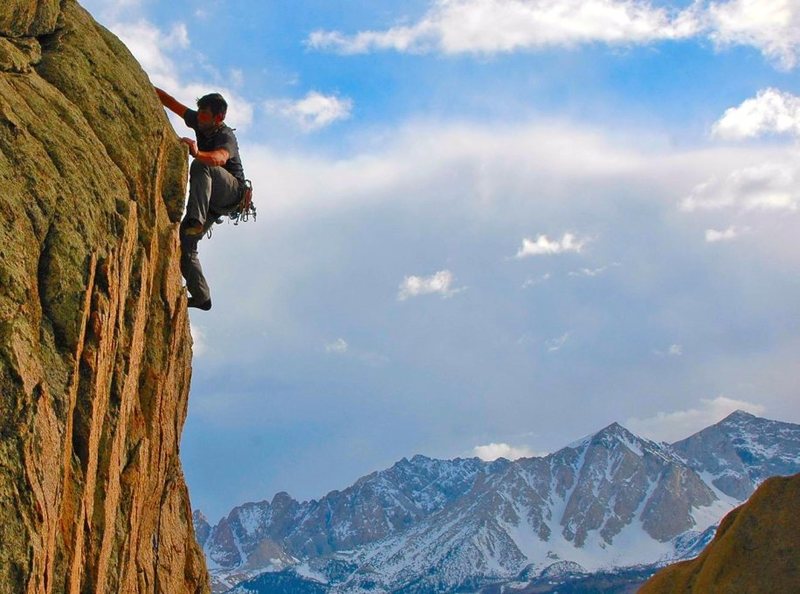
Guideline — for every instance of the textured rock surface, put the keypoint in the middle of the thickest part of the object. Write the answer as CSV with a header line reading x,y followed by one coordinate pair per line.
x,y
95,349
756,549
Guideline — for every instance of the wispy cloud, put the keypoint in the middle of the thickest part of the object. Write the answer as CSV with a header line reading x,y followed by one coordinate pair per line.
x,y
674,350
440,283
590,272
556,344
314,111
729,234
159,52
680,424
770,112
152,45
543,246
771,26
493,451
199,345
498,26
769,186
338,346
532,282
494,26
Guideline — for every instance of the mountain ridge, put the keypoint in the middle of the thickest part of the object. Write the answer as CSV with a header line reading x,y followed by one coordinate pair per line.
x,y
610,499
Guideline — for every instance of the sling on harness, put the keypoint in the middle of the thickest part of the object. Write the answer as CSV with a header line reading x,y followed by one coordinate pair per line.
x,y
239,212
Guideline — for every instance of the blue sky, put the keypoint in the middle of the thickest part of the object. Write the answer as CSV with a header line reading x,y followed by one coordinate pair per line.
x,y
486,227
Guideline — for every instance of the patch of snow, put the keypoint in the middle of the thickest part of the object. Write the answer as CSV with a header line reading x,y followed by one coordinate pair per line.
x,y
304,571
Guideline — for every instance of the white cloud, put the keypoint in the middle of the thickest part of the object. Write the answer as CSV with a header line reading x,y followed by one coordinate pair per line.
x,y
150,45
542,246
674,350
493,451
314,111
159,54
496,26
237,76
590,272
729,234
410,160
769,112
769,186
338,346
492,26
440,282
199,346
532,282
772,26
556,344
678,425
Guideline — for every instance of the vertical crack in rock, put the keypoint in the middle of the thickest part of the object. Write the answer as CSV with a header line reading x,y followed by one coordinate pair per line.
x,y
95,350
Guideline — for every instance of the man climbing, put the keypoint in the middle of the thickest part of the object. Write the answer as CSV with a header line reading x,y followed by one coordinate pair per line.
x,y
216,182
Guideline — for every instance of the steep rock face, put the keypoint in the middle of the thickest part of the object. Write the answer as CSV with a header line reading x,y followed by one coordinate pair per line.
x,y
95,349
755,549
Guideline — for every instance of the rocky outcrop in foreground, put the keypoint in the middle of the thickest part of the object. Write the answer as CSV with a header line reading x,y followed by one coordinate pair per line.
x,y
95,349
755,550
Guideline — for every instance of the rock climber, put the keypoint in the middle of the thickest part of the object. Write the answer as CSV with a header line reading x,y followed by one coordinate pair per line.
x,y
216,182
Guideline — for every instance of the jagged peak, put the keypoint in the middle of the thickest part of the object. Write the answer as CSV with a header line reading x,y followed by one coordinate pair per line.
x,y
617,433
615,436
282,498
740,415
613,431
740,422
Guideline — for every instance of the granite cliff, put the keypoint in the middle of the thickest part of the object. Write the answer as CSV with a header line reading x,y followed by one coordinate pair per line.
x,y
95,350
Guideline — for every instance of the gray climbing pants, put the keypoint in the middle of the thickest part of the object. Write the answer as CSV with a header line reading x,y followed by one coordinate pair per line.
x,y
211,189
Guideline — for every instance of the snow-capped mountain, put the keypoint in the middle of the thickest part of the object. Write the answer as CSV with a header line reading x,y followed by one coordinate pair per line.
x,y
608,501
741,451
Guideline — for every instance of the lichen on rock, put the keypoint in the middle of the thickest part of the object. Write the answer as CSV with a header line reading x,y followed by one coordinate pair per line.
x,y
95,350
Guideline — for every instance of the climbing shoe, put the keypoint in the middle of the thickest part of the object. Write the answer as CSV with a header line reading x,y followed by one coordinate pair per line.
x,y
205,305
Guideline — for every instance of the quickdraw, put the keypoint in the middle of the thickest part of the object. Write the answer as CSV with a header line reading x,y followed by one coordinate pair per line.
x,y
243,210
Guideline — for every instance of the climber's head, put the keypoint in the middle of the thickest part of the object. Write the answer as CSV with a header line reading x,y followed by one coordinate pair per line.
x,y
211,110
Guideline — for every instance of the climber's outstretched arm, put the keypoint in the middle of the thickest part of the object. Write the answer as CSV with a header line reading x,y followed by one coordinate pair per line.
x,y
170,102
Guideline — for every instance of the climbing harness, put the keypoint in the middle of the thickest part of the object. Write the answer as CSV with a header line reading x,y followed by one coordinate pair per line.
x,y
241,211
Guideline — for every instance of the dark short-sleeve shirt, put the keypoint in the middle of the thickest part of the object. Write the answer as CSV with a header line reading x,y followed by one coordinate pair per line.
x,y
221,138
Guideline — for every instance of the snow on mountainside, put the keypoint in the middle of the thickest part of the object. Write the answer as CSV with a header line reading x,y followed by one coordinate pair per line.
x,y
740,452
607,501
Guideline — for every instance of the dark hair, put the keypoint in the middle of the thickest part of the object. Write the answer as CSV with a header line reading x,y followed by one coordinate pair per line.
x,y
215,102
